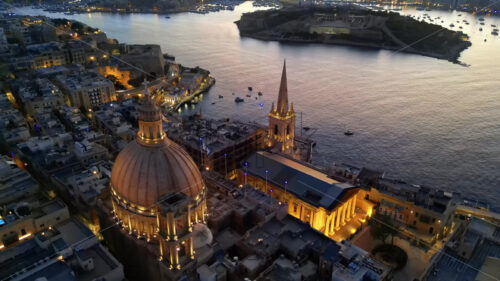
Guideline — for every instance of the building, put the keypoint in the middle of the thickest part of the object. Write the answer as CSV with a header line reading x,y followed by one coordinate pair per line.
x,y
281,131
158,194
14,182
218,145
46,54
471,253
39,96
424,212
329,206
13,127
67,251
86,89
147,57
110,121
261,242
4,45
24,218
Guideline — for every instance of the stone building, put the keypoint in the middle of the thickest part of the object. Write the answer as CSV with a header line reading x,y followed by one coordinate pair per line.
x,y
158,195
327,205
86,89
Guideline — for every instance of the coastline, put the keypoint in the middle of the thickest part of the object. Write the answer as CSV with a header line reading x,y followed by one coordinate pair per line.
x,y
452,57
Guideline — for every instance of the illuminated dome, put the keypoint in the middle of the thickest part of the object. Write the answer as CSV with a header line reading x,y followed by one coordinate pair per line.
x,y
152,165
142,174
157,189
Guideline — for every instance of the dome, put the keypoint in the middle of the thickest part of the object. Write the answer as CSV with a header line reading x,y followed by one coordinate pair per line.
x,y
152,165
143,174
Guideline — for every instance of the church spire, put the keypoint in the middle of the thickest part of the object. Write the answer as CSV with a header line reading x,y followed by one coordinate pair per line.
x,y
282,106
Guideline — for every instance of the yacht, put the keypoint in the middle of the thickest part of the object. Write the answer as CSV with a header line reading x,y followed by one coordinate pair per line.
x,y
238,100
250,88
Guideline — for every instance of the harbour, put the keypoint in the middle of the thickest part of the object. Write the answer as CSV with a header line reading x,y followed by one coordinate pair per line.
x,y
427,129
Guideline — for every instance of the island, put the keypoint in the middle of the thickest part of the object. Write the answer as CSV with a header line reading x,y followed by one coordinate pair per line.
x,y
354,26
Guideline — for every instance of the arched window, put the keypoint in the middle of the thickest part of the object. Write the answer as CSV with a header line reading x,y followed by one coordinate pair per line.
x,y
288,130
275,129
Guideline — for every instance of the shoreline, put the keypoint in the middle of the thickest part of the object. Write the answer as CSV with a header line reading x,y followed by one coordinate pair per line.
x,y
453,57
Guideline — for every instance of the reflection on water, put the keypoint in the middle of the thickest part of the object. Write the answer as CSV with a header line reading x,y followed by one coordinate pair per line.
x,y
418,118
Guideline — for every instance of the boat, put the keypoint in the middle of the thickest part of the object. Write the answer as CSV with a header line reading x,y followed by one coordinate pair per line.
x,y
480,29
214,103
494,33
238,99
495,29
348,133
460,27
485,40
221,96
481,19
306,128
233,93
459,15
452,25
249,96
493,25
482,23
420,8
256,98
250,88
260,93
167,17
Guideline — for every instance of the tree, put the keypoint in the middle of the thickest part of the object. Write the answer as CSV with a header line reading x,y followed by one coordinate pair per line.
x,y
382,227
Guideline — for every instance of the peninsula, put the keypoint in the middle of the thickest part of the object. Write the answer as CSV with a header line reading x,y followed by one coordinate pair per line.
x,y
344,25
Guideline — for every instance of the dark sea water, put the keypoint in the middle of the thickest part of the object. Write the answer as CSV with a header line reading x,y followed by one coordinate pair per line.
x,y
420,119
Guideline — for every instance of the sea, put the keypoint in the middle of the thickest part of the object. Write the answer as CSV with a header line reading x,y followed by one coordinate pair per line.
x,y
423,120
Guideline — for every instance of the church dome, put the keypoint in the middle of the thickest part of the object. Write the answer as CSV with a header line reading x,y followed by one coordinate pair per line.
x,y
142,174
152,165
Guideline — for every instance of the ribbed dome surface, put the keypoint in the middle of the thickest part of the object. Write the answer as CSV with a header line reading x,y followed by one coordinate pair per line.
x,y
142,174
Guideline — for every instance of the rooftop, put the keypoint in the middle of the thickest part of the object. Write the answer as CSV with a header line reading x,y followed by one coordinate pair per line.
x,y
307,183
83,79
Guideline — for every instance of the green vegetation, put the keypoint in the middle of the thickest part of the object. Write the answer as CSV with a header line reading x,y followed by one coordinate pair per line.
x,y
382,228
357,27
437,39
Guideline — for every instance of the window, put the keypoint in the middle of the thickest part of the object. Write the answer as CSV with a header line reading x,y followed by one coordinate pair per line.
x,y
275,129
431,230
42,225
23,232
414,222
288,129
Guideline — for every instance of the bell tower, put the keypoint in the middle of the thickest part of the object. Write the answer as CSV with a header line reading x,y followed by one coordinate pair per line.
x,y
281,132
